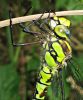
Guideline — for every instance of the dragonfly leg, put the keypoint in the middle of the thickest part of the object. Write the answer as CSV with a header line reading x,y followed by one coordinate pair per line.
x,y
27,11
45,22
40,25
26,30
33,21
11,26
11,32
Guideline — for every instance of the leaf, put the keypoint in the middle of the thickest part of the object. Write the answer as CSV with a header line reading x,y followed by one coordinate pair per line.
x,y
33,63
35,4
9,82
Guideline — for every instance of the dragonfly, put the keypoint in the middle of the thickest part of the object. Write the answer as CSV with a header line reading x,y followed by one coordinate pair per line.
x,y
55,41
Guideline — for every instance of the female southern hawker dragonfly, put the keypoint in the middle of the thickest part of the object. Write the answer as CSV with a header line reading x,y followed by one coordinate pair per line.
x,y
55,41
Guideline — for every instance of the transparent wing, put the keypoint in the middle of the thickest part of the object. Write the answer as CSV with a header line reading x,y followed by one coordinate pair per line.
x,y
57,87
73,80
75,69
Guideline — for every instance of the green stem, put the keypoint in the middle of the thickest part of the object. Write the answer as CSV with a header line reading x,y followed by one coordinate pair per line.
x,y
10,47
21,38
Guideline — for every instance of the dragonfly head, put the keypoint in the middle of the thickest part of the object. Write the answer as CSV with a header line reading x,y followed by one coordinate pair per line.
x,y
60,26
62,31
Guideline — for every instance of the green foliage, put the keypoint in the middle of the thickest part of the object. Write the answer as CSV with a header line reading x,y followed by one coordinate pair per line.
x,y
36,4
9,83
33,64
9,78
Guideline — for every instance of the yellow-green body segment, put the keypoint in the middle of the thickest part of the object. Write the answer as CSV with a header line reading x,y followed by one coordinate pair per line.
x,y
56,51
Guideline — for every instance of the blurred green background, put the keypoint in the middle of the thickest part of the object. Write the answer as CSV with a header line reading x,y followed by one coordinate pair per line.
x,y
19,65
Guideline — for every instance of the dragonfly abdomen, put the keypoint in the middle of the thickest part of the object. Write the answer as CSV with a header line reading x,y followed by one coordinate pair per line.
x,y
43,82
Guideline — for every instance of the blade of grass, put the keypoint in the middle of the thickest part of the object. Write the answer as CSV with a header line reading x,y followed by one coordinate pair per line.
x,y
21,38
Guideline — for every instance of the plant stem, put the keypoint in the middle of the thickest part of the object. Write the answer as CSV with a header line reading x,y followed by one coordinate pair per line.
x,y
36,16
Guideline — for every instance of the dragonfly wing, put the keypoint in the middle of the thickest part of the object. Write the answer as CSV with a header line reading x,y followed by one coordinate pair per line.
x,y
57,86
75,69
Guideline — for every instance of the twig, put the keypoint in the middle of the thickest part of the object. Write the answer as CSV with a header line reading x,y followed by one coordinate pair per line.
x,y
36,16
76,44
74,85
